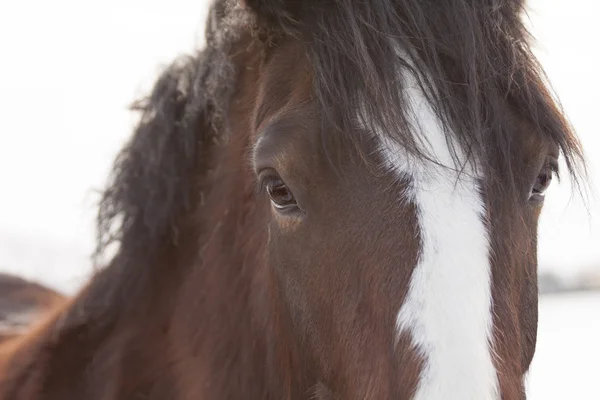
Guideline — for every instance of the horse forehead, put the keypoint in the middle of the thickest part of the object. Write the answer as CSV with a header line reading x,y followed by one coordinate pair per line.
x,y
285,83
450,290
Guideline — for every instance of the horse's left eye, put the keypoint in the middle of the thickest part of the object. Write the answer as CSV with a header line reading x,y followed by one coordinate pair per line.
x,y
542,182
281,196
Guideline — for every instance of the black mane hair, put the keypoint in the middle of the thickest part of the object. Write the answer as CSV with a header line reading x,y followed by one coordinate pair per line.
x,y
157,177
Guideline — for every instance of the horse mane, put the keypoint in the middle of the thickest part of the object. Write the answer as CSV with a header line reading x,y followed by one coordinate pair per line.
x,y
157,179
145,214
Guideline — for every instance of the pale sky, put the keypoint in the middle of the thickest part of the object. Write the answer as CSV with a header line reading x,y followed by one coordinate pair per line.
x,y
69,69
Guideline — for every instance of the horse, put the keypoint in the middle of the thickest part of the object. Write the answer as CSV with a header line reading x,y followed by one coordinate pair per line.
x,y
332,199
22,303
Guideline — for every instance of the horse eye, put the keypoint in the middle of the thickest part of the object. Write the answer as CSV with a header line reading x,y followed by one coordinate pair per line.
x,y
281,196
542,183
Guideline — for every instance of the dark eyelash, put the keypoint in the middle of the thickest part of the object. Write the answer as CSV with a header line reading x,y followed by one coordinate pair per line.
x,y
552,165
261,184
260,187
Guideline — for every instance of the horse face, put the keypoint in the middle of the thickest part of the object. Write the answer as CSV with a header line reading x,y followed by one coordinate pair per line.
x,y
398,274
342,241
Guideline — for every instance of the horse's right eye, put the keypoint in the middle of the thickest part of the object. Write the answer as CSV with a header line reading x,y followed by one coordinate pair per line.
x,y
280,195
542,182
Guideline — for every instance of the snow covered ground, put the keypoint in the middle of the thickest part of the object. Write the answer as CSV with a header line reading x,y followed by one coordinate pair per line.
x,y
567,360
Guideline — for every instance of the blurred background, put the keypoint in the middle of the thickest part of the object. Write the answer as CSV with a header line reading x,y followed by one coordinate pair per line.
x,y
69,69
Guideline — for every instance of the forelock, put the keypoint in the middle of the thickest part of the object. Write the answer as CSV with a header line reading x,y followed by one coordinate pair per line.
x,y
472,60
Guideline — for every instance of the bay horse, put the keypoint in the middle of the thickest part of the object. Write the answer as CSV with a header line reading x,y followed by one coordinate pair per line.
x,y
334,199
22,303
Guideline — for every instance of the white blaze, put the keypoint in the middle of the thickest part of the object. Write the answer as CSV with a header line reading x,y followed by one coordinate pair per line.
x,y
447,311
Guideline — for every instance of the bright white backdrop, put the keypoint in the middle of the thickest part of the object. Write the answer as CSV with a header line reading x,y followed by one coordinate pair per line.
x,y
68,70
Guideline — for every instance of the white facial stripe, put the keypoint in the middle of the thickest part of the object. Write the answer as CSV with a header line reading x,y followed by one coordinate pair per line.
x,y
447,310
